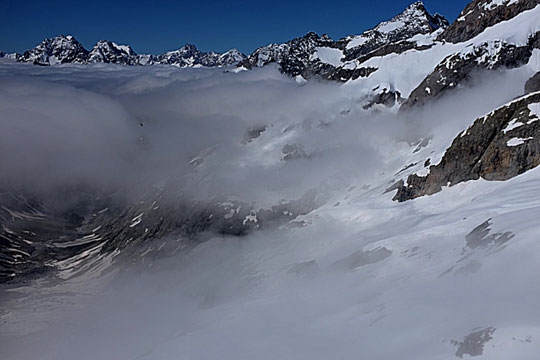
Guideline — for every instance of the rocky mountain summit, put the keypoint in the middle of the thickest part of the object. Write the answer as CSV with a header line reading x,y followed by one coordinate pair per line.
x,y
412,22
66,49
57,50
108,52
320,56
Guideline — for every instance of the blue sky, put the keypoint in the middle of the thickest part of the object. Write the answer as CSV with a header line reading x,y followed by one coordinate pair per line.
x,y
157,26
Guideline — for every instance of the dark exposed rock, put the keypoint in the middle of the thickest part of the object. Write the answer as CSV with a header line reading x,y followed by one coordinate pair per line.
x,y
253,133
457,69
342,74
498,146
480,237
481,14
533,84
382,95
473,344
392,48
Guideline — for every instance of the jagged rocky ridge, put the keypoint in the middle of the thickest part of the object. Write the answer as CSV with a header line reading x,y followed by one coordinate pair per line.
x,y
498,146
320,56
66,49
457,68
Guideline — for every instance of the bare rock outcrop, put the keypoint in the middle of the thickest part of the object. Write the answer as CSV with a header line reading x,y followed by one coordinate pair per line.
x,y
498,146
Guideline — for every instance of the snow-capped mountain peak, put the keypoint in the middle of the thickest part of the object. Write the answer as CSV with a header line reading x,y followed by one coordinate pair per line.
x,y
414,20
312,54
189,55
66,49
60,49
110,52
231,56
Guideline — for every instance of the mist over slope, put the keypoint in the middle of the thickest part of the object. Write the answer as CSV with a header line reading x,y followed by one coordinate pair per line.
x,y
369,268
160,212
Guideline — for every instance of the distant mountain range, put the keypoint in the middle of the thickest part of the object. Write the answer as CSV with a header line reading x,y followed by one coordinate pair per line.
x,y
408,60
66,49
307,56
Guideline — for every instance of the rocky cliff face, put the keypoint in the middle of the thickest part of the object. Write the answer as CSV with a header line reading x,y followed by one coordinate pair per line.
x,y
457,68
498,146
481,14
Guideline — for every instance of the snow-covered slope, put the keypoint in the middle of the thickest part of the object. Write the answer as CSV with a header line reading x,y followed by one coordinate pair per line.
x,y
336,269
159,212
424,74
411,53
